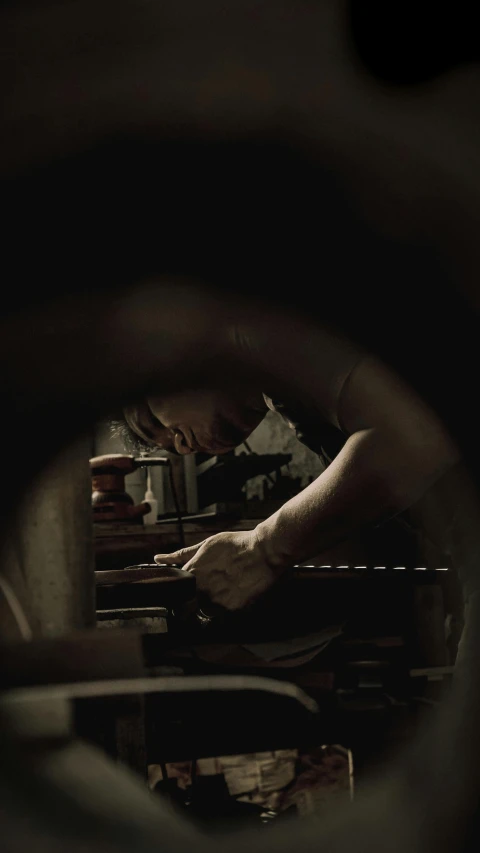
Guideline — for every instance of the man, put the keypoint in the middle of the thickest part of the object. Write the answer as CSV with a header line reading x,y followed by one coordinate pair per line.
x,y
384,446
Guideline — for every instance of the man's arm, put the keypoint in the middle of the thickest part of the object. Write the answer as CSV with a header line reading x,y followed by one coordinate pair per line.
x,y
396,449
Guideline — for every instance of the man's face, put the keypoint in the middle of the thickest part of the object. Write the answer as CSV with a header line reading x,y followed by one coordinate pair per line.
x,y
207,421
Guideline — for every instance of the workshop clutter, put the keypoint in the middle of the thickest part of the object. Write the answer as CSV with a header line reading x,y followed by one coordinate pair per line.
x,y
110,499
306,783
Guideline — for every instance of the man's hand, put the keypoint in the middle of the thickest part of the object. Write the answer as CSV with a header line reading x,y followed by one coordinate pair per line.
x,y
230,568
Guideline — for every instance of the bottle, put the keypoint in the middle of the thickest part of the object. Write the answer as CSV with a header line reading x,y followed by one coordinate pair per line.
x,y
150,517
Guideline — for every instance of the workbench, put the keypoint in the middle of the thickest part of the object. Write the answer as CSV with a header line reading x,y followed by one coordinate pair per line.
x,y
118,544
394,624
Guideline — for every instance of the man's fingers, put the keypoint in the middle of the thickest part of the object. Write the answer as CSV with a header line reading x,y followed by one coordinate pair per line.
x,y
181,556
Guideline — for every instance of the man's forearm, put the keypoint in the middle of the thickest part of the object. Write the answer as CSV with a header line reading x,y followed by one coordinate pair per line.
x,y
369,481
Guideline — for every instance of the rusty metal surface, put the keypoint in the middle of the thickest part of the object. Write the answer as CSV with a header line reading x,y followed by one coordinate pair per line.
x,y
134,586
144,574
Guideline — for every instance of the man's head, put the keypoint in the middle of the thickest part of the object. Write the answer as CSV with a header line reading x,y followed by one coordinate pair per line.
x,y
205,420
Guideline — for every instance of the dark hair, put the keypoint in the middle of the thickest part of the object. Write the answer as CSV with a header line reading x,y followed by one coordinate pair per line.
x,y
131,441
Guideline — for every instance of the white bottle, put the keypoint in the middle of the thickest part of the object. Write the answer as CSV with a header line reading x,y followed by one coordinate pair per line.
x,y
150,517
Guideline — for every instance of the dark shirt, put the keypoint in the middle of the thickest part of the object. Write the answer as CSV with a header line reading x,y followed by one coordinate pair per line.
x,y
322,438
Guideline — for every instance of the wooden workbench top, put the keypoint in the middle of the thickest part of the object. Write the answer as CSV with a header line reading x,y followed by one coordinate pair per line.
x,y
120,528
119,544
117,529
